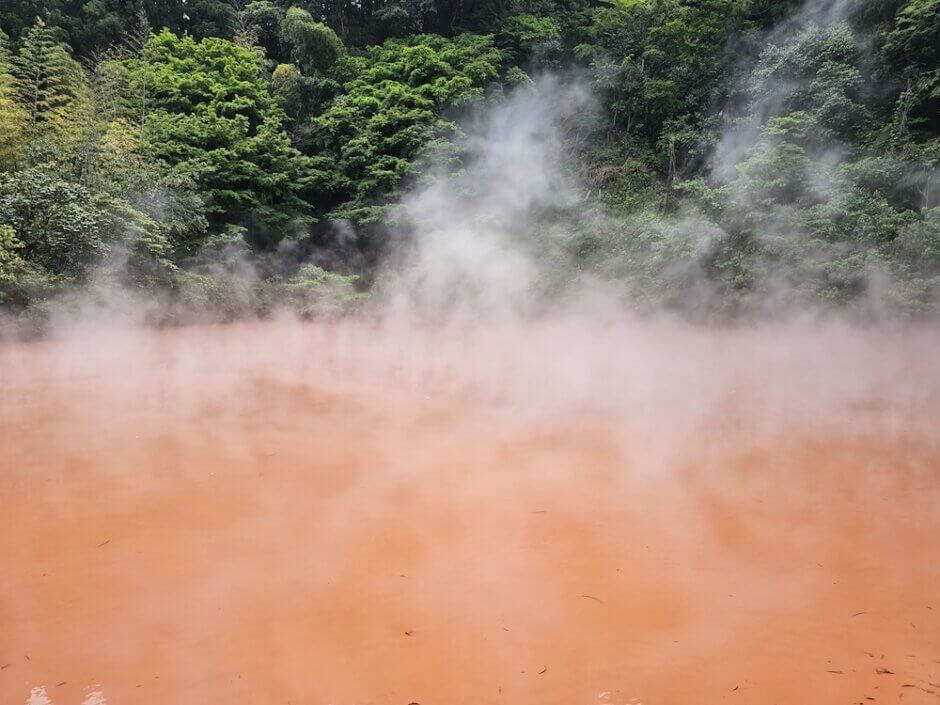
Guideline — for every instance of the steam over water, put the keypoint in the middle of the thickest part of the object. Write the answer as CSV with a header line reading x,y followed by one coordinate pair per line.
x,y
560,512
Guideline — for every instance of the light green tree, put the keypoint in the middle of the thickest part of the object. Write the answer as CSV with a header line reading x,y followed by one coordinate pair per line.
x,y
51,89
12,116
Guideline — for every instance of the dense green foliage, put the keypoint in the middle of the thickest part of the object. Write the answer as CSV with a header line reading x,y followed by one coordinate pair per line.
x,y
744,151
388,110
209,114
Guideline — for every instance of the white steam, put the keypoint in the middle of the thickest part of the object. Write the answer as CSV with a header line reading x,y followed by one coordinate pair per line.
x,y
475,233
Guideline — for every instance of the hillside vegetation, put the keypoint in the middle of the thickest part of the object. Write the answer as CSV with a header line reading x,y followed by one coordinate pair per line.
x,y
227,156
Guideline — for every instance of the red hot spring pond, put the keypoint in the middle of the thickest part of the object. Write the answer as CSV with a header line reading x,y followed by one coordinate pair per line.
x,y
627,513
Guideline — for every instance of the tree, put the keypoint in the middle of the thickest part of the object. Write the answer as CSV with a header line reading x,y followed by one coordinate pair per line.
x,y
57,222
51,88
93,26
660,60
298,95
213,118
313,46
401,18
264,18
12,116
11,262
521,34
62,230
915,38
815,72
388,110
913,47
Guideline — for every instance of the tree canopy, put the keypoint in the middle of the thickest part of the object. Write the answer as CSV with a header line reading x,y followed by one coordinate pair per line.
x,y
748,144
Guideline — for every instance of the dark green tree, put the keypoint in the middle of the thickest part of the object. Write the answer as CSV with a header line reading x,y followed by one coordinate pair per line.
x,y
913,48
389,109
313,46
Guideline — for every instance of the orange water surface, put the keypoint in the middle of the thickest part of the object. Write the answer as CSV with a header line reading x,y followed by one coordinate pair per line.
x,y
282,513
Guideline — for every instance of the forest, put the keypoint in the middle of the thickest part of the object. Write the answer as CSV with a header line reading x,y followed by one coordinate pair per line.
x,y
225,157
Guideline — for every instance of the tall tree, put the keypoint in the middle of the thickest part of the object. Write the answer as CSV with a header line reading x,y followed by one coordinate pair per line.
x,y
313,46
389,109
913,47
12,116
51,88
212,118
